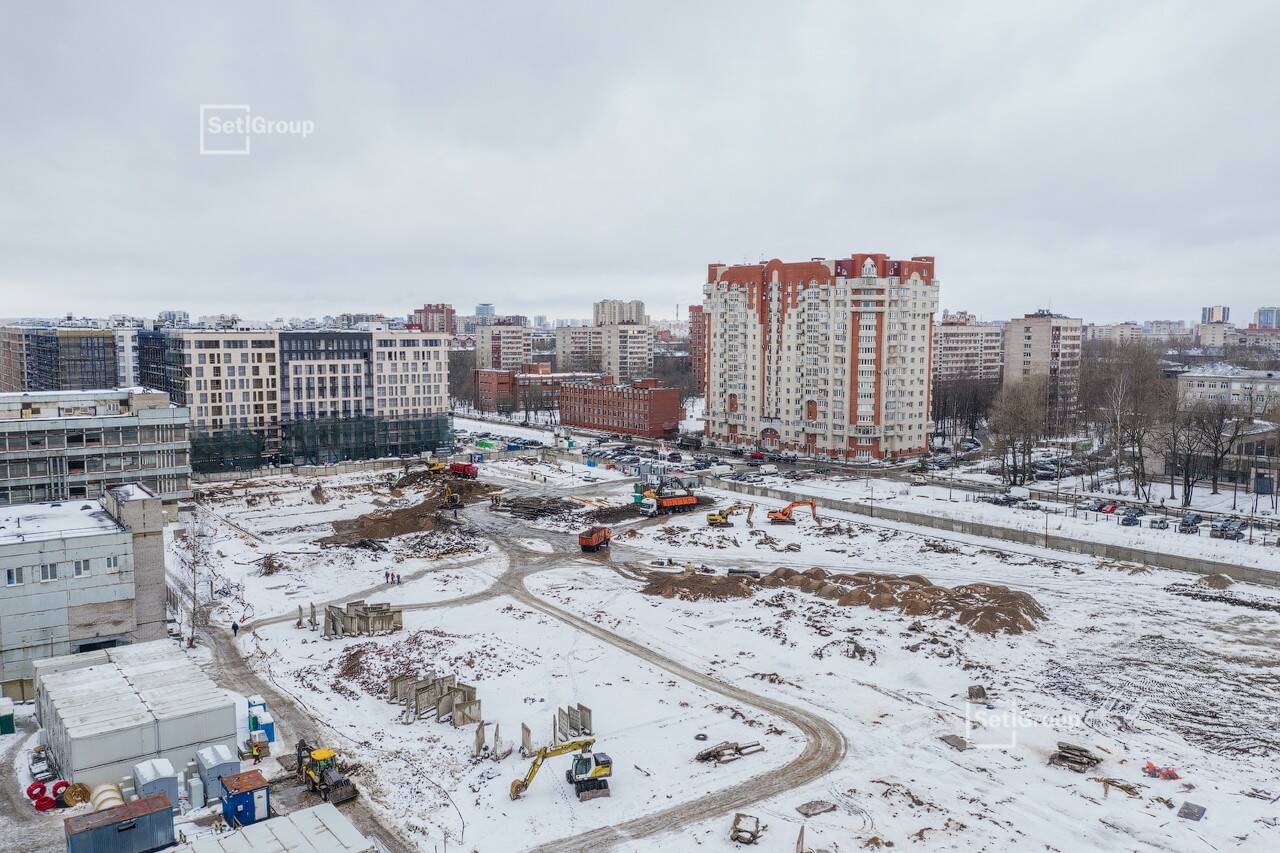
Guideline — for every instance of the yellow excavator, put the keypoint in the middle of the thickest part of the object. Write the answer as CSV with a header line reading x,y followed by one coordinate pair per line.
x,y
588,774
784,515
723,517
437,466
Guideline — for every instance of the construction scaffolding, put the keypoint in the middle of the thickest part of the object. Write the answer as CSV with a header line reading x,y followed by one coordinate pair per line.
x,y
321,441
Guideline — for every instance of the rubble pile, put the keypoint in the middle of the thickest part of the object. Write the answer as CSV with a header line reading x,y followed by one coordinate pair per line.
x,y
985,608
693,586
428,514
446,542
532,507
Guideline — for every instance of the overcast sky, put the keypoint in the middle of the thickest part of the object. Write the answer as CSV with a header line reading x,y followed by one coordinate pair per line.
x,y
1112,160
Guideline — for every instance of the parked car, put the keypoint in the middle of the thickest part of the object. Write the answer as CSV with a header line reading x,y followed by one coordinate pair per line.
x,y
1159,523
757,456
1190,523
1109,507
674,457
1135,510
1130,520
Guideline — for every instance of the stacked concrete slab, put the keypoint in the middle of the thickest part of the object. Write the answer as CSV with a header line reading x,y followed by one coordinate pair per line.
x,y
101,717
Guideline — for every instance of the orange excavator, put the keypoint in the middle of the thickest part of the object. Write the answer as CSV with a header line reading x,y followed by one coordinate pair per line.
x,y
784,515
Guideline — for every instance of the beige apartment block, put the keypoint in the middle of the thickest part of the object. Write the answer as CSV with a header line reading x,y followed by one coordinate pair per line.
x,y
623,351
503,347
964,349
1046,345
827,358
617,312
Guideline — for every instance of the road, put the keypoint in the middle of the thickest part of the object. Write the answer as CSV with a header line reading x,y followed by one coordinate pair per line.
x,y
23,827
824,749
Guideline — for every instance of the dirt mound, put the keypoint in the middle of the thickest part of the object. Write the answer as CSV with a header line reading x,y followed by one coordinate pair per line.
x,y
984,608
1216,581
691,586
426,515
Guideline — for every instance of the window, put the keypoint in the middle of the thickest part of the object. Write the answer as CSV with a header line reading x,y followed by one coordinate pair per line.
x,y
13,577
81,568
113,562
48,572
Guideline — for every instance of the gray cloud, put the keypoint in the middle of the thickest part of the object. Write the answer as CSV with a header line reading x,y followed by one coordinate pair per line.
x,y
1108,160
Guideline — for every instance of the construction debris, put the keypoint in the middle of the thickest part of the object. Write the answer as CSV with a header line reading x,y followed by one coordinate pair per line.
x,y
1191,811
428,514
1108,783
956,742
746,829
693,586
815,807
1166,773
726,751
977,693
360,619
1073,757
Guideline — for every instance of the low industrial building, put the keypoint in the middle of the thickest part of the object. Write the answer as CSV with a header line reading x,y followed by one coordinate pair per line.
x,y
319,829
531,388
101,713
643,407
72,445
77,576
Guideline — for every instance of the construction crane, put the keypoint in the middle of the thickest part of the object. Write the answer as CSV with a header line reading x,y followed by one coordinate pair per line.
x,y
784,515
588,774
318,768
723,517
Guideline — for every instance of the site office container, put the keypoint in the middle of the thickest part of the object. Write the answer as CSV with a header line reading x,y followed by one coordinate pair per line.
x,y
106,750
141,826
195,723
66,685
41,669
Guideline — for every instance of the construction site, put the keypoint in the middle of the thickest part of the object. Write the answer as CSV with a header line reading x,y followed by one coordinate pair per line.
x,y
493,663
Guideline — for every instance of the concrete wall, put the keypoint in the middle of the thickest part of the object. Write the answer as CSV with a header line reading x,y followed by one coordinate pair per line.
x,y
1177,562
145,519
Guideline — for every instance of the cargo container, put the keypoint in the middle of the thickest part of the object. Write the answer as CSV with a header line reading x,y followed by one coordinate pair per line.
x,y
140,826
246,798
214,762
6,716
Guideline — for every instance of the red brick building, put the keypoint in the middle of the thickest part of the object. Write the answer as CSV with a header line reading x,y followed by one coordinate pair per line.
x,y
698,347
643,407
531,388
433,318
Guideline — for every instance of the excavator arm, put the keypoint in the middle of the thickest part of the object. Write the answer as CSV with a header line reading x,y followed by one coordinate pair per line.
x,y
519,786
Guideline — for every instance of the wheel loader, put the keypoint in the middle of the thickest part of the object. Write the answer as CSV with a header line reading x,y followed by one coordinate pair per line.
x,y
318,769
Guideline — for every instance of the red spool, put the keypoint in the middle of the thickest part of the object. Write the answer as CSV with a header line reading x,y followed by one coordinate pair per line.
x,y
35,790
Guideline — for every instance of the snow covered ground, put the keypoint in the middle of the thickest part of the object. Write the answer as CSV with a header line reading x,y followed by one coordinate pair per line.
x,y
694,410
1063,520
552,473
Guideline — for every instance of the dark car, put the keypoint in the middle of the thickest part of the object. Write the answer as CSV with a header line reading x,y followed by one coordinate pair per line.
x,y
674,457
1129,520
1190,523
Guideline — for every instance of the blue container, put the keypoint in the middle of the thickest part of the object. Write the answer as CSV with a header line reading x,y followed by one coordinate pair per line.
x,y
246,798
591,463
268,724
513,447
141,825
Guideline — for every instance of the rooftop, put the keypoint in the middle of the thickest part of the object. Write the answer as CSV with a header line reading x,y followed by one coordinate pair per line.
x,y
1232,372
319,829
91,394
60,520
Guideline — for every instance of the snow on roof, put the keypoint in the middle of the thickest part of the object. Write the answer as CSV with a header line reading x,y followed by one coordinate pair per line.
x,y
1230,370
60,520
132,492
319,829
65,394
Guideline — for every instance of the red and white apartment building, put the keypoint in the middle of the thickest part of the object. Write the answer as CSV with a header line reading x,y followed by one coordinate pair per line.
x,y
823,358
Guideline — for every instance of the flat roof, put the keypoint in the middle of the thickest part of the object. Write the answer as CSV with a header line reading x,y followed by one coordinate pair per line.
x,y
116,814
319,829
60,520
41,396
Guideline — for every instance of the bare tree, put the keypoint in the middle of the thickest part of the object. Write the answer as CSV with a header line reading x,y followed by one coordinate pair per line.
x,y
195,570
1017,425
1220,423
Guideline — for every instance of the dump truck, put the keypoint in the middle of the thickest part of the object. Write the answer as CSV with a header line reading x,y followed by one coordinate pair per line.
x,y
465,470
595,538
588,774
318,769
655,505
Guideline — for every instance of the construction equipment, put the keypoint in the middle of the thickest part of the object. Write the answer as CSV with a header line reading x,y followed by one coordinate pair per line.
x,y
588,774
784,515
318,769
452,498
465,470
437,466
595,538
723,517
655,505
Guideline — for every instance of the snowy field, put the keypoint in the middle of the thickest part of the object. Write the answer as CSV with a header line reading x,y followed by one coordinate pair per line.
x,y
552,473
1099,527
523,664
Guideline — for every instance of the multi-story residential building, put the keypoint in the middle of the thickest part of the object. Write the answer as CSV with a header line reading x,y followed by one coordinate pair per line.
x,y
485,312
1217,335
127,356
826,358
47,358
77,576
531,388
174,318
1215,314
1115,333
618,312
1256,392
503,347
1046,345
623,351
72,445
642,407
698,347
1267,318
965,349
437,317
262,396
1165,329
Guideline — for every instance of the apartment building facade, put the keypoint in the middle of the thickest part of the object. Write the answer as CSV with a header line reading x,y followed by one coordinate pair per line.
x,y
534,387
312,397
642,407
1215,314
617,312
76,445
49,358
623,351
1046,345
1113,333
1256,392
503,347
825,358
698,346
437,317
77,576
965,349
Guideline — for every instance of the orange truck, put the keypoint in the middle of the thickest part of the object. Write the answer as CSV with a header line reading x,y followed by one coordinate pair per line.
x,y
594,539
663,504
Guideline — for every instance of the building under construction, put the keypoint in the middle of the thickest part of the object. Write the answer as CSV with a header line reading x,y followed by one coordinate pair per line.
x,y
48,358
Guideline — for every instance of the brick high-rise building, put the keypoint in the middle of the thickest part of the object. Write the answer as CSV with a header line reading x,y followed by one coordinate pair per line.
x,y
698,347
437,317
824,358
1046,345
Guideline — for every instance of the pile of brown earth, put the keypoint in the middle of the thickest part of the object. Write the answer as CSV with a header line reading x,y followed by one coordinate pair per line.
x,y
691,586
1216,581
420,517
985,608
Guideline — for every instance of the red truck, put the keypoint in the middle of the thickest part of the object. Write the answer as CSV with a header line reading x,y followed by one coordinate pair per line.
x,y
594,539
463,469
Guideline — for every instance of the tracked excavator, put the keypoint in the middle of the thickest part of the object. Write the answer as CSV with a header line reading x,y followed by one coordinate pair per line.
x,y
724,517
785,515
588,774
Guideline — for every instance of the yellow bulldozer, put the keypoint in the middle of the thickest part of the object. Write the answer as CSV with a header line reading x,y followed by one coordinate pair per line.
x,y
588,774
723,517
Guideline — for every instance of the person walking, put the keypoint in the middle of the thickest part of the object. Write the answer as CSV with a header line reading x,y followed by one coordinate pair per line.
x,y
235,628
386,576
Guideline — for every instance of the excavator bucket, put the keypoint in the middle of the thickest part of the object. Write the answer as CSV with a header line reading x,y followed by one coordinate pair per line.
x,y
517,788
